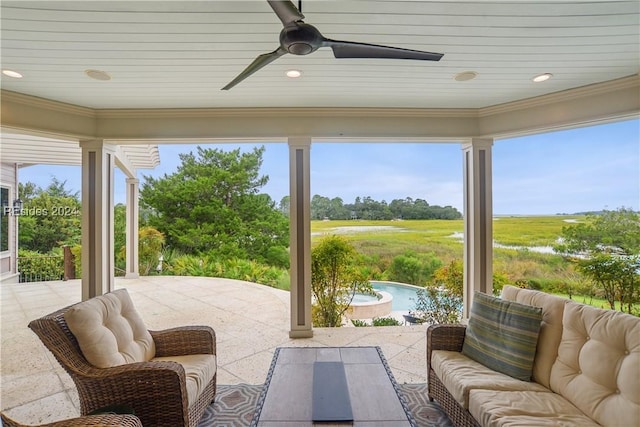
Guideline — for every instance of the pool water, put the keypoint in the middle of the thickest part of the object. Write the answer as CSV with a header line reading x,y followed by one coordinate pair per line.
x,y
360,298
404,296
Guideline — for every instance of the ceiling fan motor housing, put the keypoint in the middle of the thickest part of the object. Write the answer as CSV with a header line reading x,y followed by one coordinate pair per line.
x,y
299,38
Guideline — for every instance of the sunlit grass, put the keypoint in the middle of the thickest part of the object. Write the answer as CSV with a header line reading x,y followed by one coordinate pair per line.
x,y
531,231
511,231
421,236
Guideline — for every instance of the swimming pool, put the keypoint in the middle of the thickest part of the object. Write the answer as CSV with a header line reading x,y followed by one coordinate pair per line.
x,y
404,296
362,298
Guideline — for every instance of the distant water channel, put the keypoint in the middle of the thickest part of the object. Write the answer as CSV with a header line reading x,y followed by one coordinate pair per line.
x,y
539,249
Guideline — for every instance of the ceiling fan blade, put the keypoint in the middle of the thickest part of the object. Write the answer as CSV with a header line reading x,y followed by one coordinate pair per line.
x,y
342,49
286,11
261,61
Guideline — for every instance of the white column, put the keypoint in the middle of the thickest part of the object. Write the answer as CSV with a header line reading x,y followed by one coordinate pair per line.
x,y
478,220
300,236
132,229
97,218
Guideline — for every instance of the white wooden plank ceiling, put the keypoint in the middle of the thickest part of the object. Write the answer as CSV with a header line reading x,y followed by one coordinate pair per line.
x,y
177,54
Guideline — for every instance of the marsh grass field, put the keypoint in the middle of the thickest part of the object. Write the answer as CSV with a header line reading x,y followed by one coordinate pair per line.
x,y
444,237
522,247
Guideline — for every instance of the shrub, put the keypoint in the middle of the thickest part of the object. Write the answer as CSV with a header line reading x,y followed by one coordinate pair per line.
x,y
278,256
437,306
34,266
386,321
451,277
335,277
359,323
150,242
413,268
239,269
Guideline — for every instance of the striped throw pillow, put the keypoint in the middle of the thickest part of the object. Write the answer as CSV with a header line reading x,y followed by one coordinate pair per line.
x,y
503,335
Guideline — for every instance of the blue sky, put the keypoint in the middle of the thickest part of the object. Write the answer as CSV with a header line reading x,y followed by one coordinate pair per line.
x,y
567,171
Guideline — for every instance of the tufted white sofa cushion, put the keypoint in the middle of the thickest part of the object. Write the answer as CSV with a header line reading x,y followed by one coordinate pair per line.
x,y
110,331
598,364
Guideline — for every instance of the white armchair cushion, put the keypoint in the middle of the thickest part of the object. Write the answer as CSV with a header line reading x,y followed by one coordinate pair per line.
x,y
199,370
110,331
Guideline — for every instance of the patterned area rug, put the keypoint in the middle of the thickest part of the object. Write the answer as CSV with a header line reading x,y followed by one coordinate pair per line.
x,y
235,404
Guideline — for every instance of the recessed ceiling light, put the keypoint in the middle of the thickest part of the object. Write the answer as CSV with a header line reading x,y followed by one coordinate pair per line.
x,y
294,74
11,73
465,75
542,77
97,75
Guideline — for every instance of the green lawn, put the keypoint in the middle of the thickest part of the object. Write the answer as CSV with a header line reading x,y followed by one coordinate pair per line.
x,y
596,302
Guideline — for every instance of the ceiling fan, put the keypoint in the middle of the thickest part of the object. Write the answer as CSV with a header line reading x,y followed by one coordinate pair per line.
x,y
299,38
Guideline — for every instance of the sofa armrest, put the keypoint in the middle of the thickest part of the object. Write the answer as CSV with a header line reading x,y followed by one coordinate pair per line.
x,y
448,337
185,340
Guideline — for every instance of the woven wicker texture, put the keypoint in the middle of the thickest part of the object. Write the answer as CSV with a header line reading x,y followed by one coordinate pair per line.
x,y
155,390
450,338
88,421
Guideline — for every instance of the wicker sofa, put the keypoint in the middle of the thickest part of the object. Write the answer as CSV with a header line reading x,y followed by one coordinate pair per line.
x,y
586,370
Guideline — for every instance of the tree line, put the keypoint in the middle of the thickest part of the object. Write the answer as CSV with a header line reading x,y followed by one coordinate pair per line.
x,y
366,208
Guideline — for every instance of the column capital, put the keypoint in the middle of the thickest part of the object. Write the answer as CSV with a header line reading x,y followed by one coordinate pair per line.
x,y
299,141
97,144
477,143
132,181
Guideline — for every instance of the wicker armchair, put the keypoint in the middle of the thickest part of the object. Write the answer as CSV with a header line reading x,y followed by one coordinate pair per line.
x,y
88,421
450,338
155,390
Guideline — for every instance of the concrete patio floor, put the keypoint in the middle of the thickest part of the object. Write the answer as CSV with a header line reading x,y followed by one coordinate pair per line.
x,y
250,321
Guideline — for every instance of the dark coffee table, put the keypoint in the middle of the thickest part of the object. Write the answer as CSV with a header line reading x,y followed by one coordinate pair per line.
x,y
372,393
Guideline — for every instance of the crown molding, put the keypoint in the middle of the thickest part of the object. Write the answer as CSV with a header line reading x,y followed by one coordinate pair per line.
x,y
283,112
46,104
624,83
